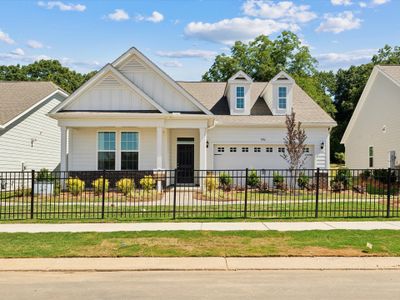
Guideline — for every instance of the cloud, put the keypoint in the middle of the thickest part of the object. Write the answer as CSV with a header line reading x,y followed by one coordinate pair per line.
x,y
339,23
62,6
362,4
155,17
118,15
4,37
34,44
343,59
227,31
18,52
172,64
283,10
341,2
379,2
372,3
190,53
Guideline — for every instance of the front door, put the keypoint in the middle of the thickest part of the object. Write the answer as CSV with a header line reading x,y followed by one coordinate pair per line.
x,y
185,163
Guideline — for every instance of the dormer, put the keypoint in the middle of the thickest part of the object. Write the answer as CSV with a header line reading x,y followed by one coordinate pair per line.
x,y
279,94
238,93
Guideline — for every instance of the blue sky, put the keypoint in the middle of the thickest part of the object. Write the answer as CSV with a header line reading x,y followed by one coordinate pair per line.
x,y
183,36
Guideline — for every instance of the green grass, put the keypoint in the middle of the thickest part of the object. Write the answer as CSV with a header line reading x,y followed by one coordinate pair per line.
x,y
201,243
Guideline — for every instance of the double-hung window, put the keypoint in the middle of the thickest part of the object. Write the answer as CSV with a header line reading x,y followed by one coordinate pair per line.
x,y
371,156
129,151
282,97
240,97
106,151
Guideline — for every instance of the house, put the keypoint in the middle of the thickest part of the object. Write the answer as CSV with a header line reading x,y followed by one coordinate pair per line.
x,y
29,138
131,115
372,138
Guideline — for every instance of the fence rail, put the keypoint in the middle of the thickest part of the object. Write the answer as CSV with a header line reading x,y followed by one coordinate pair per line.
x,y
311,193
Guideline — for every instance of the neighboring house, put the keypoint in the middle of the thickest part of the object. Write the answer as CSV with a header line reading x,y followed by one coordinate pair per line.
x,y
131,115
372,138
29,139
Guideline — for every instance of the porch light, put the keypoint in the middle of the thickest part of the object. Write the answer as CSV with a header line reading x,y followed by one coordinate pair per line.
x,y
322,145
207,144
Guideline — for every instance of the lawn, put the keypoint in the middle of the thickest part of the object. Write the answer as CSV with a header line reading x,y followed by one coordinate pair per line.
x,y
201,243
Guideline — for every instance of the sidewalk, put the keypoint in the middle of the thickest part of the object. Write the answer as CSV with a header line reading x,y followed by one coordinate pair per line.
x,y
214,226
199,264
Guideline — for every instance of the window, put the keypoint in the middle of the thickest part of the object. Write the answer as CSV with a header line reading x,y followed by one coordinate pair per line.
x,y
306,150
240,97
269,149
245,149
220,149
371,156
106,151
232,149
257,149
281,149
129,151
282,94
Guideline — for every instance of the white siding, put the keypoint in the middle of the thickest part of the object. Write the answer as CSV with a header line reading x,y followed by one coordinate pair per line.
x,y
381,108
16,147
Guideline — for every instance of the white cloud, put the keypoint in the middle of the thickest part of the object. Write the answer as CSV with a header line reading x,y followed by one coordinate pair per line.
x,y
189,53
4,37
372,3
118,15
227,31
155,17
340,22
341,2
283,10
172,64
343,59
34,44
62,6
362,4
18,51
379,2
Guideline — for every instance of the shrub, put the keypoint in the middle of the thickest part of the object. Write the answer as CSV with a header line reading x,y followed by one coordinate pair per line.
x,y
225,181
253,179
147,183
344,177
336,186
98,185
340,157
278,181
44,175
75,186
303,180
263,187
382,175
125,186
364,175
212,183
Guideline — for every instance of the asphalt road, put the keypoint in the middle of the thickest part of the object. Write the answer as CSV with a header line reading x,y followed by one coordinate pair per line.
x,y
201,285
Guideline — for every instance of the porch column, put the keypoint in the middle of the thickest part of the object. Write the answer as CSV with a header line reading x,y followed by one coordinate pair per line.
x,y
63,158
159,148
203,149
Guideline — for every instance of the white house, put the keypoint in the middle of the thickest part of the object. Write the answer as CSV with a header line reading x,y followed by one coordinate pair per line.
x,y
132,115
29,138
372,138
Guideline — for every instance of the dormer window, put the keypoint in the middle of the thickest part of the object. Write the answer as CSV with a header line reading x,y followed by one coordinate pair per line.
x,y
282,97
240,97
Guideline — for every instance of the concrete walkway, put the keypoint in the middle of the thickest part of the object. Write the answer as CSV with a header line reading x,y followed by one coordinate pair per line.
x,y
199,263
214,226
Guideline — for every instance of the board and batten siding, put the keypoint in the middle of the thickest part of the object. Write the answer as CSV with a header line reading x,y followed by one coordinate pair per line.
x,y
377,125
16,146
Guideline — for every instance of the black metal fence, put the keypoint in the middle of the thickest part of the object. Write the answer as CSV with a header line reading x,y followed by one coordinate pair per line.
x,y
213,194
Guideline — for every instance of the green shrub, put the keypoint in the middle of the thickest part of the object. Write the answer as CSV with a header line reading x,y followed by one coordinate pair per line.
x,y
303,180
278,180
212,182
225,180
147,183
98,185
253,180
44,175
125,186
383,174
75,186
381,190
340,157
364,175
344,177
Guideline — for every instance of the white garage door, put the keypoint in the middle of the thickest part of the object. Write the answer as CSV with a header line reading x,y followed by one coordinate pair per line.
x,y
254,157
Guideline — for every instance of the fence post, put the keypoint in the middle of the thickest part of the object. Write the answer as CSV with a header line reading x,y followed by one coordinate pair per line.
x,y
245,193
389,179
174,206
317,194
32,192
103,193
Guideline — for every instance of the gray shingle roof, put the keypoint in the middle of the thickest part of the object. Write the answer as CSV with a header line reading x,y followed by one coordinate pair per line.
x,y
211,95
393,71
18,96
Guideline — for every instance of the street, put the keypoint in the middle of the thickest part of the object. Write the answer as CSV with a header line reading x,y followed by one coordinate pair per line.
x,y
201,285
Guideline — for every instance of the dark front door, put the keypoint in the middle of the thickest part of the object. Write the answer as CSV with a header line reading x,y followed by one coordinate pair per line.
x,y
185,163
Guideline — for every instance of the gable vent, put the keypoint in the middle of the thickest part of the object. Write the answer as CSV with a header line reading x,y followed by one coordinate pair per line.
x,y
108,82
133,65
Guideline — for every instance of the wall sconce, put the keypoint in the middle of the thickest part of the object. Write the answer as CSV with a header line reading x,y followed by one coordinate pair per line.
x,y
207,144
322,145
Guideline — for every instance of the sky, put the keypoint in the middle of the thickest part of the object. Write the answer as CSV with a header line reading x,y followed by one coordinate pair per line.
x,y
183,36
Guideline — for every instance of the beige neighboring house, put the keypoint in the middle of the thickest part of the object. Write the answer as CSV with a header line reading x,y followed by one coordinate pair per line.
x,y
372,138
133,116
29,138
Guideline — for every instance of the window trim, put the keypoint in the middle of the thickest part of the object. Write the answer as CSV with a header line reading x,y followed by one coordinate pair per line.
x,y
137,151
371,156
239,97
283,98
98,150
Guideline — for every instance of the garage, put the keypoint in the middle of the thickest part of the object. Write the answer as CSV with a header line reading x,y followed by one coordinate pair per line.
x,y
234,156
